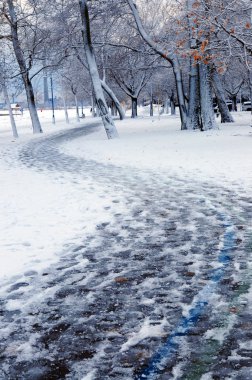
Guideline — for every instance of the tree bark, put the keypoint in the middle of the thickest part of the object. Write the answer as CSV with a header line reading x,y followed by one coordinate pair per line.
x,y
23,69
114,99
12,120
206,99
77,109
133,108
65,109
112,108
234,102
93,70
173,108
166,106
151,107
180,91
250,87
93,106
193,117
226,117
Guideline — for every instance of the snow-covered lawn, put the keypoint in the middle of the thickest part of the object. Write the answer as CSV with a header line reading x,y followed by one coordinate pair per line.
x,y
40,214
223,156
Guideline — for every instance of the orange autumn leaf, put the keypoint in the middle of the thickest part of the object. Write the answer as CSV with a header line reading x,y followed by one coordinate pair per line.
x,y
197,56
204,45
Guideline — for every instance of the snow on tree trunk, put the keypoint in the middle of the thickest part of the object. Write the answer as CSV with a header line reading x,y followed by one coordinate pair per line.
x,y
32,107
133,107
250,88
206,99
193,117
114,99
166,106
23,69
180,92
226,117
7,101
93,70
93,106
65,110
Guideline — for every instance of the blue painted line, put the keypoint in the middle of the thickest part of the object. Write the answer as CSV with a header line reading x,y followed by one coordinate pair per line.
x,y
171,346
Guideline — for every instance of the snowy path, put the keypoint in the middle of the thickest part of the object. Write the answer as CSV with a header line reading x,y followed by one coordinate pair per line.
x,y
109,304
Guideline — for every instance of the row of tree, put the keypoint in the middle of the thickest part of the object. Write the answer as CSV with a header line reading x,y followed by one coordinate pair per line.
x,y
183,52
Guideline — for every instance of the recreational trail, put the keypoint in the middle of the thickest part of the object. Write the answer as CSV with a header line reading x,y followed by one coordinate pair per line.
x,y
160,291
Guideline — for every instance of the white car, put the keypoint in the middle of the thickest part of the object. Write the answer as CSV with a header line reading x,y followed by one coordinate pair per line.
x,y
246,106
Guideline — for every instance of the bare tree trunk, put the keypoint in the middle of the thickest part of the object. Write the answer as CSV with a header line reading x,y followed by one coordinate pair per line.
x,y
114,99
173,109
151,107
250,88
77,109
193,115
23,69
171,58
226,117
166,106
93,106
93,70
65,110
133,107
193,118
234,102
112,108
206,99
12,120
180,91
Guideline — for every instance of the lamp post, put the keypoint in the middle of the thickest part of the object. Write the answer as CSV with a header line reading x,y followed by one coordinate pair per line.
x,y
53,116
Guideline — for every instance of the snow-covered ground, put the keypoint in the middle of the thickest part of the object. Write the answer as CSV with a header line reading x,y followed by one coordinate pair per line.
x,y
110,247
223,156
39,215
